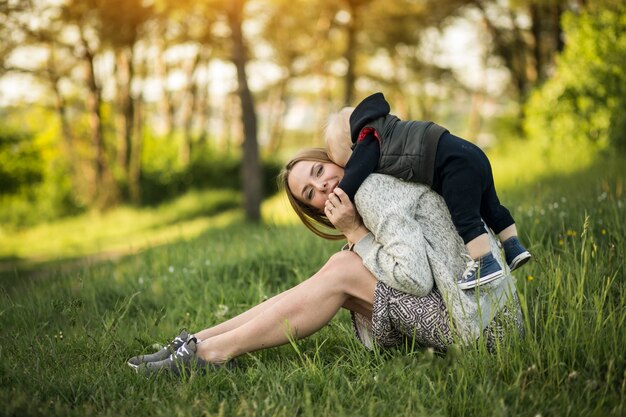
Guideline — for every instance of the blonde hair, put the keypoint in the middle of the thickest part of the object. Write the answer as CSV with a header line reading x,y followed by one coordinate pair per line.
x,y
337,135
312,218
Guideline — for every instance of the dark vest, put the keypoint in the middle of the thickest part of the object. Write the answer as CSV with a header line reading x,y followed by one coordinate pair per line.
x,y
407,148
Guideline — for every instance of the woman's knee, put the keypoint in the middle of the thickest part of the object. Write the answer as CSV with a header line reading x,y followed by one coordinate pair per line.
x,y
342,263
347,269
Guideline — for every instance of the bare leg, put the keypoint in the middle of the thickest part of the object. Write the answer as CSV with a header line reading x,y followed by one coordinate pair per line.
x,y
479,246
240,319
300,311
508,233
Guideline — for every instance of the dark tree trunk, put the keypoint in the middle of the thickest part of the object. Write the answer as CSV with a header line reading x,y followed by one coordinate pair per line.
x,y
188,104
161,70
251,166
126,112
95,119
350,54
536,29
66,131
134,172
105,193
558,27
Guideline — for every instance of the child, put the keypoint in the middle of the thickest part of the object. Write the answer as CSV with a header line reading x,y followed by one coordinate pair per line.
x,y
368,139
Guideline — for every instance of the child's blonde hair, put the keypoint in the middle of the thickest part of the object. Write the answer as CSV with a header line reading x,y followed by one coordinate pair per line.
x,y
337,136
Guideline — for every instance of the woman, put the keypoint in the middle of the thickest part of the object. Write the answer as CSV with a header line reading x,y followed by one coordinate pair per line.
x,y
397,279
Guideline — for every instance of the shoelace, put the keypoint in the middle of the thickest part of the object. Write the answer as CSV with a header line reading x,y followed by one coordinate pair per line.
x,y
471,268
182,351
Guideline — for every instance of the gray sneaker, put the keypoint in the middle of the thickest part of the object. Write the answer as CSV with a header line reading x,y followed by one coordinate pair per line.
x,y
181,363
164,353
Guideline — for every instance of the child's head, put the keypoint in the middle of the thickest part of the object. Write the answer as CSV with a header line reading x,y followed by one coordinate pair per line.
x,y
337,136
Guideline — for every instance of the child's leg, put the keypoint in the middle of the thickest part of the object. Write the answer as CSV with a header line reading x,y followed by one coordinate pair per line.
x,y
501,222
496,216
462,174
507,233
478,246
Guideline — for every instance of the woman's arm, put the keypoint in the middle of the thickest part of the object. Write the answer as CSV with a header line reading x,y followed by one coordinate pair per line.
x,y
395,250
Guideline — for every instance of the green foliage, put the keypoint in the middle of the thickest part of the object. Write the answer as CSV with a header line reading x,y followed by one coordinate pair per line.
x,y
585,100
163,178
21,165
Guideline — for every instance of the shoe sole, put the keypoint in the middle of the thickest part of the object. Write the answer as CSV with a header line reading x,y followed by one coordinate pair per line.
x,y
481,281
520,260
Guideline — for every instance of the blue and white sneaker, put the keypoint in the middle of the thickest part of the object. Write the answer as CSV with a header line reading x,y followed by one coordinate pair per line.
x,y
480,271
516,255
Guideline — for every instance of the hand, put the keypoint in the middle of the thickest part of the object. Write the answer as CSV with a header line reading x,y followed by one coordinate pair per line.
x,y
343,215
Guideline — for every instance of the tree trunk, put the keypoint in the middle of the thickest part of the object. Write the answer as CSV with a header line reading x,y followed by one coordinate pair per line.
x,y
536,29
61,108
558,27
203,109
95,119
278,108
105,193
134,173
251,166
187,107
350,55
125,116
161,72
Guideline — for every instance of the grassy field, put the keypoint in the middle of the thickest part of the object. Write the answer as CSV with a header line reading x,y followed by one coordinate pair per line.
x,y
65,334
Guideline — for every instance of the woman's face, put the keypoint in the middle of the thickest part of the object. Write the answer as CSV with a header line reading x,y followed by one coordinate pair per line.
x,y
311,182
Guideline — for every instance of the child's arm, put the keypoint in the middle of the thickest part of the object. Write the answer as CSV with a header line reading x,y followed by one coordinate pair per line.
x,y
363,162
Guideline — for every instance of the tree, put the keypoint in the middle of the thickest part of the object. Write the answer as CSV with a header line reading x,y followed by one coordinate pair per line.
x,y
585,100
251,164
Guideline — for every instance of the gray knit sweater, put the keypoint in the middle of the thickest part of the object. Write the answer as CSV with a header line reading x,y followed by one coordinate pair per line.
x,y
413,246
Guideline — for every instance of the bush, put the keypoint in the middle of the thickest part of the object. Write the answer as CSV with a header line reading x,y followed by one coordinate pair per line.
x,y
21,164
586,98
205,171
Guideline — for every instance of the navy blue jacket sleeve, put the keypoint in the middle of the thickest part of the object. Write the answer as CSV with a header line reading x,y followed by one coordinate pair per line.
x,y
362,162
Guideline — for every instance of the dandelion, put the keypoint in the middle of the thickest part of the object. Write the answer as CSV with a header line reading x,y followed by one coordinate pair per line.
x,y
140,280
171,269
571,233
221,310
561,242
603,231
572,375
530,278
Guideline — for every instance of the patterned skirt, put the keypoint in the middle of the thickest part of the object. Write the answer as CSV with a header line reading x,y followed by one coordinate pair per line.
x,y
398,316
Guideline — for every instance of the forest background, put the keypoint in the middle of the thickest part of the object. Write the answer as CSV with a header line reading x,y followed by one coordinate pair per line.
x,y
139,141
133,103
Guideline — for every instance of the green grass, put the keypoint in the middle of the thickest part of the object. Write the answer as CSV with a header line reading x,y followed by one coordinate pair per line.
x,y
65,334
121,230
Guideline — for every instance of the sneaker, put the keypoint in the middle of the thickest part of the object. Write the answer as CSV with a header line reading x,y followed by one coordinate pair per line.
x,y
516,255
481,271
182,362
164,353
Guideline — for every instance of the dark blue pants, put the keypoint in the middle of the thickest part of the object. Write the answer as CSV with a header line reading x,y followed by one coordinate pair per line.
x,y
464,179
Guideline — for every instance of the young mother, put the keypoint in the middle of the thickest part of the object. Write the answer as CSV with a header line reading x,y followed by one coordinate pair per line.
x,y
396,276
